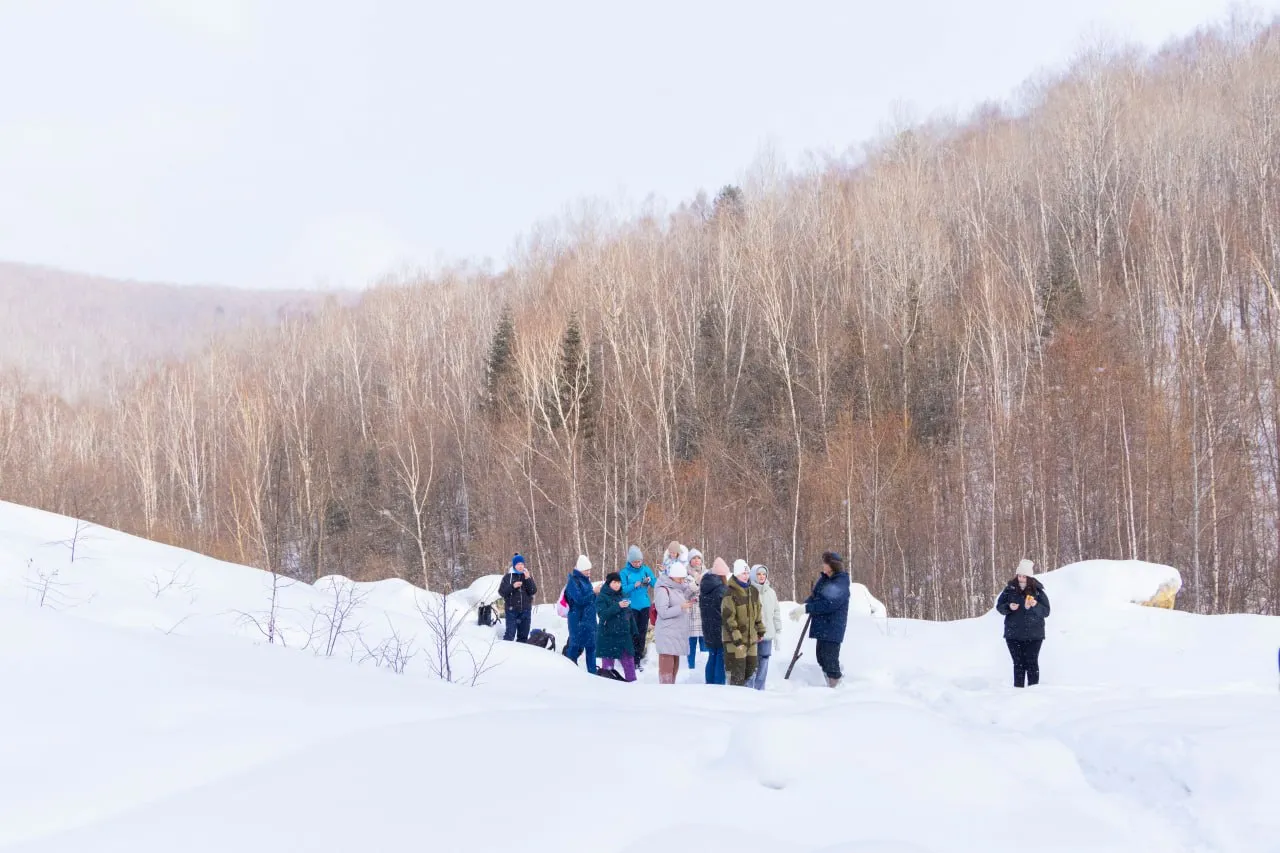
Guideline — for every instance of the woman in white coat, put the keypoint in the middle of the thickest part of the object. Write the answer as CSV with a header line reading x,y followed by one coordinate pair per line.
x,y
771,616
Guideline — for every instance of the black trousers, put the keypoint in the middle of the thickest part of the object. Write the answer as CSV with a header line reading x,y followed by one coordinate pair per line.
x,y
518,625
829,658
1026,661
640,630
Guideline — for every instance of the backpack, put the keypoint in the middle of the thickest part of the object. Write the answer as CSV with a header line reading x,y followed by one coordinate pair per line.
x,y
562,606
542,639
485,615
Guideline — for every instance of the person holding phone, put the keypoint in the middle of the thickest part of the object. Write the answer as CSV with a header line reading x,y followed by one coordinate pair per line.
x,y
674,601
1024,606
517,590
613,638
638,581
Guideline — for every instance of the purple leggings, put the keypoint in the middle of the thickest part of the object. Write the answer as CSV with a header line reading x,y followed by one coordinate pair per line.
x,y
628,666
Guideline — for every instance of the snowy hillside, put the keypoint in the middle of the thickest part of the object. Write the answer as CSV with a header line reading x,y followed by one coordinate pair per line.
x,y
145,710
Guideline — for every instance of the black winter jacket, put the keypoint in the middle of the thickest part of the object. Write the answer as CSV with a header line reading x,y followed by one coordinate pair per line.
x,y
1025,623
517,600
710,594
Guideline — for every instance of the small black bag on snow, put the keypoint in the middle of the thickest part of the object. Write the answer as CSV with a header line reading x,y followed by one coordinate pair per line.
x,y
542,639
485,615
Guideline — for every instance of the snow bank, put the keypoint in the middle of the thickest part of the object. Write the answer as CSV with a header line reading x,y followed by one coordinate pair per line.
x,y
483,590
155,715
861,603
1113,583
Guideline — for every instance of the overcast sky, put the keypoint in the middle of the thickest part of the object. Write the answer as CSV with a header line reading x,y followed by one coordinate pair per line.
x,y
304,143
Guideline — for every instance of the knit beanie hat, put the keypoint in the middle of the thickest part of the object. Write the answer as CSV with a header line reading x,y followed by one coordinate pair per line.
x,y
678,570
720,567
584,564
516,560
741,569
613,576
1026,567
674,546
634,554
694,552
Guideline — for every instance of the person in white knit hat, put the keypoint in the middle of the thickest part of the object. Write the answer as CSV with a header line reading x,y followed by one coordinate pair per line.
x,y
741,628
674,600
696,570
581,596
1024,605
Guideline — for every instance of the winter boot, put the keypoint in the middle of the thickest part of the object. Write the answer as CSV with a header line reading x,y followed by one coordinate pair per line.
x,y
833,682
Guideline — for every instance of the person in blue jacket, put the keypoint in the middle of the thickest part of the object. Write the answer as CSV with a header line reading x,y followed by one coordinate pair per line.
x,y
581,596
828,605
638,583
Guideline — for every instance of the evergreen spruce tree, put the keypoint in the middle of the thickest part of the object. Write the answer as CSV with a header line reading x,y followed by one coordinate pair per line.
x,y
500,365
729,203
575,386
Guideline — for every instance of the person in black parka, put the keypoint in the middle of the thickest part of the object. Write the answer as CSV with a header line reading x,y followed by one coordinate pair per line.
x,y
828,606
1024,606
710,594
615,636
517,590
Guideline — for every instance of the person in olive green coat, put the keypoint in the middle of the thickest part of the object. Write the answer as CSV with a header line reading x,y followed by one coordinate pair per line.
x,y
741,625
614,638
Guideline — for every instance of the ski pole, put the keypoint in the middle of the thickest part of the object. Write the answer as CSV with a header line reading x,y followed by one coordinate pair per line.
x,y
796,656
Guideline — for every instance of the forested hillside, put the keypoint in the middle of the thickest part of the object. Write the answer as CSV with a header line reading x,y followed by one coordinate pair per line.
x,y
1051,330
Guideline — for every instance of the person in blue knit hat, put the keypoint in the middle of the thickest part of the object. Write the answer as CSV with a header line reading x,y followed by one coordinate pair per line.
x,y
517,590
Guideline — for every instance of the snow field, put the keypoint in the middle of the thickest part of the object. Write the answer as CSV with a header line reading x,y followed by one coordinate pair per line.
x,y
146,715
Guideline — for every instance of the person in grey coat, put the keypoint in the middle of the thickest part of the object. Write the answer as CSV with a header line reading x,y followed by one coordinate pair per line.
x,y
771,616
674,599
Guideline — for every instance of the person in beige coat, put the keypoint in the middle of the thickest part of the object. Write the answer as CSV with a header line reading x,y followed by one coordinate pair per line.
x,y
771,616
675,601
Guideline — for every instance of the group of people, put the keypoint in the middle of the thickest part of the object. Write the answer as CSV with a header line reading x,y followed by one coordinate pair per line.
x,y
731,614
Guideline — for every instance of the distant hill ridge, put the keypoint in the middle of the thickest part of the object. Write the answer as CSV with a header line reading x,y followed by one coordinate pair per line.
x,y
69,331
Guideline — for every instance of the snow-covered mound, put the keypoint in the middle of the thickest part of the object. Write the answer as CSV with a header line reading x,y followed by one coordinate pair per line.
x,y
863,603
1113,583
147,712
103,575
483,590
